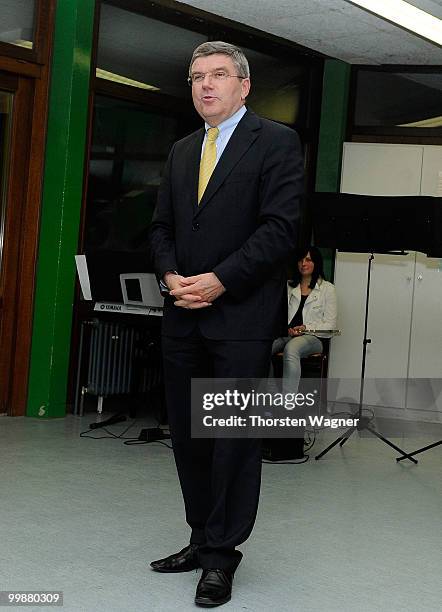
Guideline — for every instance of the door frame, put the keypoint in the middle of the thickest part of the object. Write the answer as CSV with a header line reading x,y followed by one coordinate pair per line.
x,y
14,245
29,69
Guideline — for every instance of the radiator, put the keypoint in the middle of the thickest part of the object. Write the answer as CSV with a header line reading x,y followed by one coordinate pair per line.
x,y
110,359
122,359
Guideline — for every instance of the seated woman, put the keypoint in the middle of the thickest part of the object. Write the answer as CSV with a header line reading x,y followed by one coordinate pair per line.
x,y
311,306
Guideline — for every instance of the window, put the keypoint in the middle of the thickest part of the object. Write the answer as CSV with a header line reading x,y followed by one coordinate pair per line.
x,y
129,148
402,99
17,22
277,87
153,54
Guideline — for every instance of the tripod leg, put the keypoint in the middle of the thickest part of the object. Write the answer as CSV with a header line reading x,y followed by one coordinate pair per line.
x,y
346,435
378,435
421,450
325,451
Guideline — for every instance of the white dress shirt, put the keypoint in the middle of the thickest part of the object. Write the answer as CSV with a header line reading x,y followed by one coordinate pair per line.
x,y
226,129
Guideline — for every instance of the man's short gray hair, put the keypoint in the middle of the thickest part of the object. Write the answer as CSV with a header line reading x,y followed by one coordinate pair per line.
x,y
218,46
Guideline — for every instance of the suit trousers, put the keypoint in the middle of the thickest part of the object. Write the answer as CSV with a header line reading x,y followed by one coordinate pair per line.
x,y
220,478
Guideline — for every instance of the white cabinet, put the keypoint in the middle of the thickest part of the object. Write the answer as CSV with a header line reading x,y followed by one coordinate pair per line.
x,y
405,312
424,389
391,169
381,169
426,323
431,181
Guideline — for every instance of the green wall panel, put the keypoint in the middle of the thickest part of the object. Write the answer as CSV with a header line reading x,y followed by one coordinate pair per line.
x,y
62,194
333,124
334,111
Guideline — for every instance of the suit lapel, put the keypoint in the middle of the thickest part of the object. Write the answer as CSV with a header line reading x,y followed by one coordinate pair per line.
x,y
242,138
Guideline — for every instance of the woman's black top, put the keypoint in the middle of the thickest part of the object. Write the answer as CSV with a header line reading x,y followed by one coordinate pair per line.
x,y
297,319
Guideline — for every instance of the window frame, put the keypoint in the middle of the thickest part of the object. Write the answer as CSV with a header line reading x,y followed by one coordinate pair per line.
x,y
41,36
381,132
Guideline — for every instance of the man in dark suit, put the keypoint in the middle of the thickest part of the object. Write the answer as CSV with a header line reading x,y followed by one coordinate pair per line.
x,y
224,225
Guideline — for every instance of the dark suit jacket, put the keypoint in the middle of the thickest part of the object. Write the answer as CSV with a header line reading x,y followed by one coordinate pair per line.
x,y
243,230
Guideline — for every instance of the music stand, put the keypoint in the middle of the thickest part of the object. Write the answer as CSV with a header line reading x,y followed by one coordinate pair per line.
x,y
373,224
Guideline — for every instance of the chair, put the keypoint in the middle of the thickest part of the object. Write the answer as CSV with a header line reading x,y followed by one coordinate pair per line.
x,y
316,366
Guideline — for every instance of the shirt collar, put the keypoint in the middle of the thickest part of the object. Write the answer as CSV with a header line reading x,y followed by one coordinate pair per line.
x,y
231,122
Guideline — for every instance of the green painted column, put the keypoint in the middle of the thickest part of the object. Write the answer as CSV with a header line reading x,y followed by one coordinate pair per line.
x,y
61,205
332,129
333,124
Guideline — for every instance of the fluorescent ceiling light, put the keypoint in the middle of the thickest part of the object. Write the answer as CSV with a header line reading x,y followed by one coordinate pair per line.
x,y
118,78
23,43
424,123
405,15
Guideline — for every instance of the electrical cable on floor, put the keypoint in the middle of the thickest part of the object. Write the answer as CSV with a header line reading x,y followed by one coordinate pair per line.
x,y
128,441
285,462
310,443
110,435
136,441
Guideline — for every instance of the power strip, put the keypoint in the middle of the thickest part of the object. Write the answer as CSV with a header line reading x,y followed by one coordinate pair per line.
x,y
152,434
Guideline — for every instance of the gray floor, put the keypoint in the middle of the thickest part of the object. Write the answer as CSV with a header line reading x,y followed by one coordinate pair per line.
x,y
353,532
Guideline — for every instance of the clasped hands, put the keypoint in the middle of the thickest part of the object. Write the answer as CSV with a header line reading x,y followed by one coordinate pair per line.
x,y
194,292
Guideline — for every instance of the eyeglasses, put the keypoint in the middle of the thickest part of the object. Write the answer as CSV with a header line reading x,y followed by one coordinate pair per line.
x,y
217,75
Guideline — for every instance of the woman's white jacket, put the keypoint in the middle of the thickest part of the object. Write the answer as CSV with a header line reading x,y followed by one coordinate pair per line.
x,y
320,308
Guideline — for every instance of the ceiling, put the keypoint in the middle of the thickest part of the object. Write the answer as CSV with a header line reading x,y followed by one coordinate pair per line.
x,y
333,27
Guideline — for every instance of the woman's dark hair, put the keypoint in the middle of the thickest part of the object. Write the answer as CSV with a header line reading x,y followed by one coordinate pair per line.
x,y
318,270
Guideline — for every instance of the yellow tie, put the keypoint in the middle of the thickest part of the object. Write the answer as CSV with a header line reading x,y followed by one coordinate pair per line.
x,y
208,160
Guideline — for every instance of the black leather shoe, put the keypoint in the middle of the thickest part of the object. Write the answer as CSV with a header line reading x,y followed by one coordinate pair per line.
x,y
214,588
185,560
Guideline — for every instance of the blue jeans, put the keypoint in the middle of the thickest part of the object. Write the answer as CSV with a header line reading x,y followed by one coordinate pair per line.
x,y
293,349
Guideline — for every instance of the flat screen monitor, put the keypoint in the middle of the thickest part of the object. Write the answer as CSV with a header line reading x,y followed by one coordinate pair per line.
x,y
141,289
